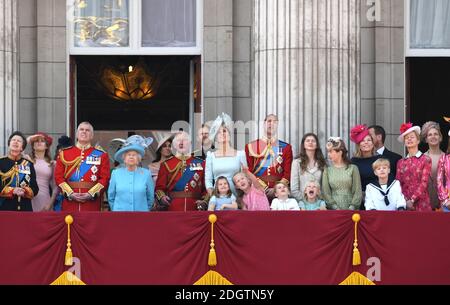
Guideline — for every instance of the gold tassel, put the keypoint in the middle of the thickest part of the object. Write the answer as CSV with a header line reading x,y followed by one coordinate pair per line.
x,y
356,255
69,258
212,277
212,258
357,278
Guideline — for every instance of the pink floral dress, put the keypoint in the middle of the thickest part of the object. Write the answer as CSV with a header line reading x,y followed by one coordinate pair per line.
x,y
413,172
443,178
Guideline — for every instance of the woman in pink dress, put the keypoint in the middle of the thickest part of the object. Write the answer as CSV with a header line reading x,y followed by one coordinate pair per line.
x,y
431,134
414,170
40,146
443,177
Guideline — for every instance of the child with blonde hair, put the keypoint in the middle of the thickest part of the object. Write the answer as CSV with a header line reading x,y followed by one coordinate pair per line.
x,y
311,198
250,192
282,202
223,198
385,194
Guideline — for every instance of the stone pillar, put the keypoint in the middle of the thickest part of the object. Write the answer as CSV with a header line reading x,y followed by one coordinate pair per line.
x,y
307,66
8,70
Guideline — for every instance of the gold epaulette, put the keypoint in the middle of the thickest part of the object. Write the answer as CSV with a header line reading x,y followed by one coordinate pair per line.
x,y
98,147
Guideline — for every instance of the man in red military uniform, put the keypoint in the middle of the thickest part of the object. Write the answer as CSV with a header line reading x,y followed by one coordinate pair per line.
x,y
180,185
270,159
82,172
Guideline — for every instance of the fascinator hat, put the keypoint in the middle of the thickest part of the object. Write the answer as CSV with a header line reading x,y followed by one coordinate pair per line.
x,y
136,143
222,120
358,133
407,128
334,143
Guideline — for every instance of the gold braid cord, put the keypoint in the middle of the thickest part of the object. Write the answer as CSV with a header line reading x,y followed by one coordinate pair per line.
x,y
70,165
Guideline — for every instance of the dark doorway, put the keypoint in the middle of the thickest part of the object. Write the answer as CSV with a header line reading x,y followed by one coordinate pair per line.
x,y
428,93
133,92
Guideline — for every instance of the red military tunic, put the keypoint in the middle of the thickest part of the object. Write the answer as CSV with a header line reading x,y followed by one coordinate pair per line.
x,y
269,162
183,181
81,170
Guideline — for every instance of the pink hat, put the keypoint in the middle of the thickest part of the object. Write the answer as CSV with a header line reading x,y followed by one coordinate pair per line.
x,y
358,133
405,129
39,134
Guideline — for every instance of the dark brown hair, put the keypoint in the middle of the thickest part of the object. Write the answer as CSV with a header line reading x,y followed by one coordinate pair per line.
x,y
216,186
318,155
47,157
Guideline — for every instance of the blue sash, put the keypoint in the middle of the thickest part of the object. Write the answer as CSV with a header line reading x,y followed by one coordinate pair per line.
x,y
14,183
185,178
269,160
84,167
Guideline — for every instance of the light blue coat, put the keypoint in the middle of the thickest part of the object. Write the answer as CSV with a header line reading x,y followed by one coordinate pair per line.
x,y
131,191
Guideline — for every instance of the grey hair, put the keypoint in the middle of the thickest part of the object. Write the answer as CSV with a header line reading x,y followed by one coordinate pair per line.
x,y
426,128
138,155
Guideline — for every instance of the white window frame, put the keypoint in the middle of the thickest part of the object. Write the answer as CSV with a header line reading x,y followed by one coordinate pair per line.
x,y
411,52
135,36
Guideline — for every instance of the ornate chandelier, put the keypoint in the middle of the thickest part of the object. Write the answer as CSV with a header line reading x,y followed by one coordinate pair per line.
x,y
131,83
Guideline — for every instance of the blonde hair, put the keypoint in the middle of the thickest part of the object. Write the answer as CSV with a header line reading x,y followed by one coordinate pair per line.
x,y
316,184
427,127
358,152
381,162
239,192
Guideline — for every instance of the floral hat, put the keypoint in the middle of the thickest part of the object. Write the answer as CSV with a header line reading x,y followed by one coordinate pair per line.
x,y
358,133
136,143
405,129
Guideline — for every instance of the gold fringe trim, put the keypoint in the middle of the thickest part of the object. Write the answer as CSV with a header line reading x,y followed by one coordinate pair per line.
x,y
213,278
68,279
357,279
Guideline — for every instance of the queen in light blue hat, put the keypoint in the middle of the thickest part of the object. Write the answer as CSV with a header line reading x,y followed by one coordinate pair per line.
x,y
131,187
135,143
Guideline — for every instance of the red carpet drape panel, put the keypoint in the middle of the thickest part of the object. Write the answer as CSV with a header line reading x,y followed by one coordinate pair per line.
x,y
252,247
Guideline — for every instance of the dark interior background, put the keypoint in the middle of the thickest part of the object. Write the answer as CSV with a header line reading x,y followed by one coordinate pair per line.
x,y
170,104
429,93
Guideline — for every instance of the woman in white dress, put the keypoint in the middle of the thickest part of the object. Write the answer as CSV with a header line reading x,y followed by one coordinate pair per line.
x,y
225,160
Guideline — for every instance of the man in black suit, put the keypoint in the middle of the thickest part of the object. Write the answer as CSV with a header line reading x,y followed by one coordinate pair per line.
x,y
378,135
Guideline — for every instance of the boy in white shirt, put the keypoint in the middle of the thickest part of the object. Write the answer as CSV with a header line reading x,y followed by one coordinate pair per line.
x,y
283,202
385,194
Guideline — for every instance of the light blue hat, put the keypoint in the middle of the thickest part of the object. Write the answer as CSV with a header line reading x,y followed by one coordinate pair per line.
x,y
222,119
136,143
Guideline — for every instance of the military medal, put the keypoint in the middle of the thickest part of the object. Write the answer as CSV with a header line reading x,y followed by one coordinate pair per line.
x,y
279,169
280,159
196,177
94,169
27,177
93,178
193,184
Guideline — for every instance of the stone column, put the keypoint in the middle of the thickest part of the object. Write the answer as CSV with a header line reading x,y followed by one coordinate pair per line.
x,y
307,66
8,70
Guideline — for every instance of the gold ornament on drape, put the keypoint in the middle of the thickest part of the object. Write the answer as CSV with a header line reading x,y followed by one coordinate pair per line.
x,y
212,277
356,278
68,278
